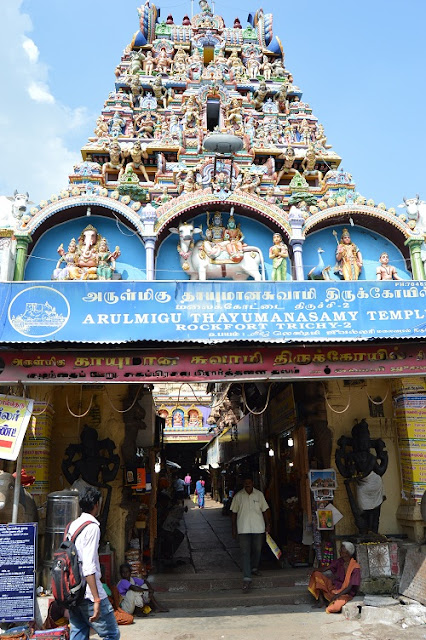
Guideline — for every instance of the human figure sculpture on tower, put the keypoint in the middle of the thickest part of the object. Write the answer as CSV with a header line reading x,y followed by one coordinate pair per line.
x,y
348,256
137,152
259,96
386,271
279,254
358,465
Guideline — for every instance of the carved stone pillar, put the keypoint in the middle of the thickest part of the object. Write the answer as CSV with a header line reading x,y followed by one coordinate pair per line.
x,y
414,245
22,242
296,221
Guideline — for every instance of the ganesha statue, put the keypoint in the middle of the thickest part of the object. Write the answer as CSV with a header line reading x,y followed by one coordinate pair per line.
x,y
89,258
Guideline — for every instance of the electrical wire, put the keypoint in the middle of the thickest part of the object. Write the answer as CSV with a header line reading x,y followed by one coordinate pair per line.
x,y
75,415
256,413
129,408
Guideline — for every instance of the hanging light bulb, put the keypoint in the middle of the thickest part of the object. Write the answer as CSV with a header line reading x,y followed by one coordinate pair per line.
x,y
290,442
157,467
266,445
271,453
291,464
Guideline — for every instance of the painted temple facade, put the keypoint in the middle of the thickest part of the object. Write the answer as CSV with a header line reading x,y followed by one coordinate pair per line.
x,y
209,233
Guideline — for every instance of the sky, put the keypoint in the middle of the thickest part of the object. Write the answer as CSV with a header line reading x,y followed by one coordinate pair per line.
x,y
360,64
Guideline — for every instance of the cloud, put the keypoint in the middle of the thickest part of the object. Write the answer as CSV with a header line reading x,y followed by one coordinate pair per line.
x,y
31,49
39,135
40,93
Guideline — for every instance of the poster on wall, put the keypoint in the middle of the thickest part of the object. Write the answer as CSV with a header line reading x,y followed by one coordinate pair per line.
x,y
15,414
322,479
17,571
323,494
325,519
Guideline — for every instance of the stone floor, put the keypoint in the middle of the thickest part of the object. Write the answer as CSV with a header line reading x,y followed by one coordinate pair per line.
x,y
208,546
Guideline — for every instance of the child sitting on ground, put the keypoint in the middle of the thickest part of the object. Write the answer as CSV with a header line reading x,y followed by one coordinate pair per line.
x,y
137,594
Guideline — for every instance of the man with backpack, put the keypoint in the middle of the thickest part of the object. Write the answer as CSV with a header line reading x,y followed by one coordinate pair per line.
x,y
94,610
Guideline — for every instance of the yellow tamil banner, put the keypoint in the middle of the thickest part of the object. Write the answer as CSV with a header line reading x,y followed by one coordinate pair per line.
x,y
15,414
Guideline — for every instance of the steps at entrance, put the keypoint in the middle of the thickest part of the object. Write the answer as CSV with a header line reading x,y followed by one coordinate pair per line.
x,y
222,591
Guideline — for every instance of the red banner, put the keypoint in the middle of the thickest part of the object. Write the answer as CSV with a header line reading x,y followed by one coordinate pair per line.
x,y
219,363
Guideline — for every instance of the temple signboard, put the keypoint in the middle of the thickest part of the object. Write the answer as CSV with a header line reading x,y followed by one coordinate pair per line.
x,y
359,360
211,312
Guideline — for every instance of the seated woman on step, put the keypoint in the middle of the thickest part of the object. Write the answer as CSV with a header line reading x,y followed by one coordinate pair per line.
x,y
342,586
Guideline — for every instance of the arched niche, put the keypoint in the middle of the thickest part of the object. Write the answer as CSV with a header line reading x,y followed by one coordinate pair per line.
x,y
255,231
370,244
131,264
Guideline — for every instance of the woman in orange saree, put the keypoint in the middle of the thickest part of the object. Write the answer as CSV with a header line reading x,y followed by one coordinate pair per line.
x,y
344,584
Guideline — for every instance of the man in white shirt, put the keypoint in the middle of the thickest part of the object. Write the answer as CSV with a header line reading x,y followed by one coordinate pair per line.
x,y
95,611
250,519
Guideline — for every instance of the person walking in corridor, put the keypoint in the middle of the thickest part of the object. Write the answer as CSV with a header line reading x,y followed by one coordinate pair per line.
x,y
187,480
200,491
250,520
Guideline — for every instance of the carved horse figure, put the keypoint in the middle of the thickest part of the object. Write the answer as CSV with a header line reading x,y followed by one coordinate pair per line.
x,y
197,264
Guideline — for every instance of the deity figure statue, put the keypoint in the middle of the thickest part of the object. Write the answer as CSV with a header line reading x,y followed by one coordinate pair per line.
x,y
221,182
160,92
115,162
250,183
205,7
136,64
188,184
321,138
305,131
266,68
136,89
281,98
386,271
348,256
278,69
195,65
249,132
148,64
106,260
87,255
116,125
164,197
162,62
270,197
358,465
191,112
233,113
66,263
101,129
95,462
259,96
236,66
279,254
215,236
145,123
179,63
308,164
253,66
234,236
137,152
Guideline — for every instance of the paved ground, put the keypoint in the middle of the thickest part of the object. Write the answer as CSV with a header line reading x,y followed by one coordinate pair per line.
x,y
262,623
209,546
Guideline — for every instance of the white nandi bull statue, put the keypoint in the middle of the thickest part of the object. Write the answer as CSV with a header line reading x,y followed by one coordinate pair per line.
x,y
416,210
12,208
205,261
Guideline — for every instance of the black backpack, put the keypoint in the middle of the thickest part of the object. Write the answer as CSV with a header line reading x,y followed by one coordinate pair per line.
x,y
68,583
